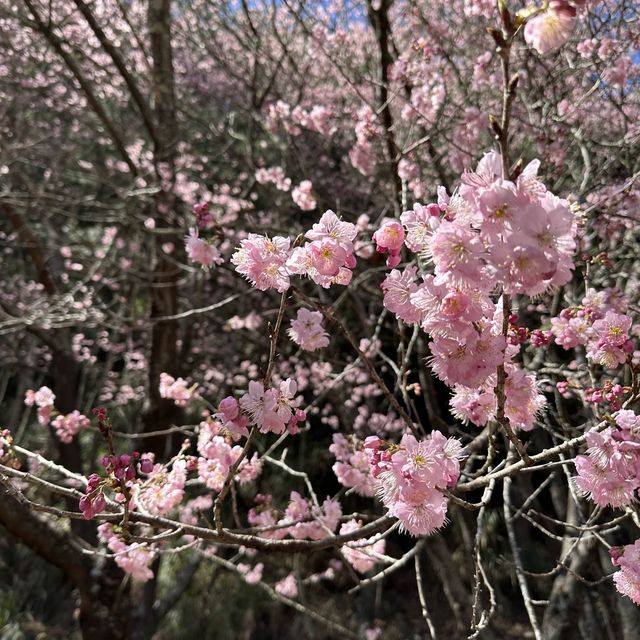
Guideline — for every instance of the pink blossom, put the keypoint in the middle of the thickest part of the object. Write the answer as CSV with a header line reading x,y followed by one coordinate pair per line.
x,y
389,239
274,175
249,469
263,260
352,466
412,479
390,236
262,406
287,587
609,342
627,580
43,397
609,473
176,389
252,575
67,427
229,415
468,359
307,331
523,401
551,28
318,523
331,227
455,251
327,256
473,405
200,251
363,158
420,224
398,287
361,556
162,490
302,195
134,559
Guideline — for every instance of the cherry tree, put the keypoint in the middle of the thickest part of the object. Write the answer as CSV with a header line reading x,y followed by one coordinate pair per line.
x,y
326,299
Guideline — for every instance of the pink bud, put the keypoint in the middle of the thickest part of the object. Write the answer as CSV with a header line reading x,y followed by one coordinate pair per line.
x,y
229,408
372,442
292,426
393,261
146,465
350,261
99,503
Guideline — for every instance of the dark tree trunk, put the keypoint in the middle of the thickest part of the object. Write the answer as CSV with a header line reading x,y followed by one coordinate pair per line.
x,y
379,20
163,356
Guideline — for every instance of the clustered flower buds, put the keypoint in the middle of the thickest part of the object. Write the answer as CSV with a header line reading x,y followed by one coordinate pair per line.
x,y
204,218
610,393
93,501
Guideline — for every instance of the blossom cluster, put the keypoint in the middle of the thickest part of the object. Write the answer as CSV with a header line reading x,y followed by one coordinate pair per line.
x,y
327,259
610,393
275,176
492,232
318,118
362,155
217,455
176,389
361,555
522,405
272,410
302,195
162,490
609,473
263,261
67,427
157,489
307,332
301,519
134,559
627,580
352,466
413,476
601,324
43,398
122,470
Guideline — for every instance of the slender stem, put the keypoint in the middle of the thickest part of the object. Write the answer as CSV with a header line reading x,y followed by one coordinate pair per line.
x,y
423,599
508,94
515,551
217,507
